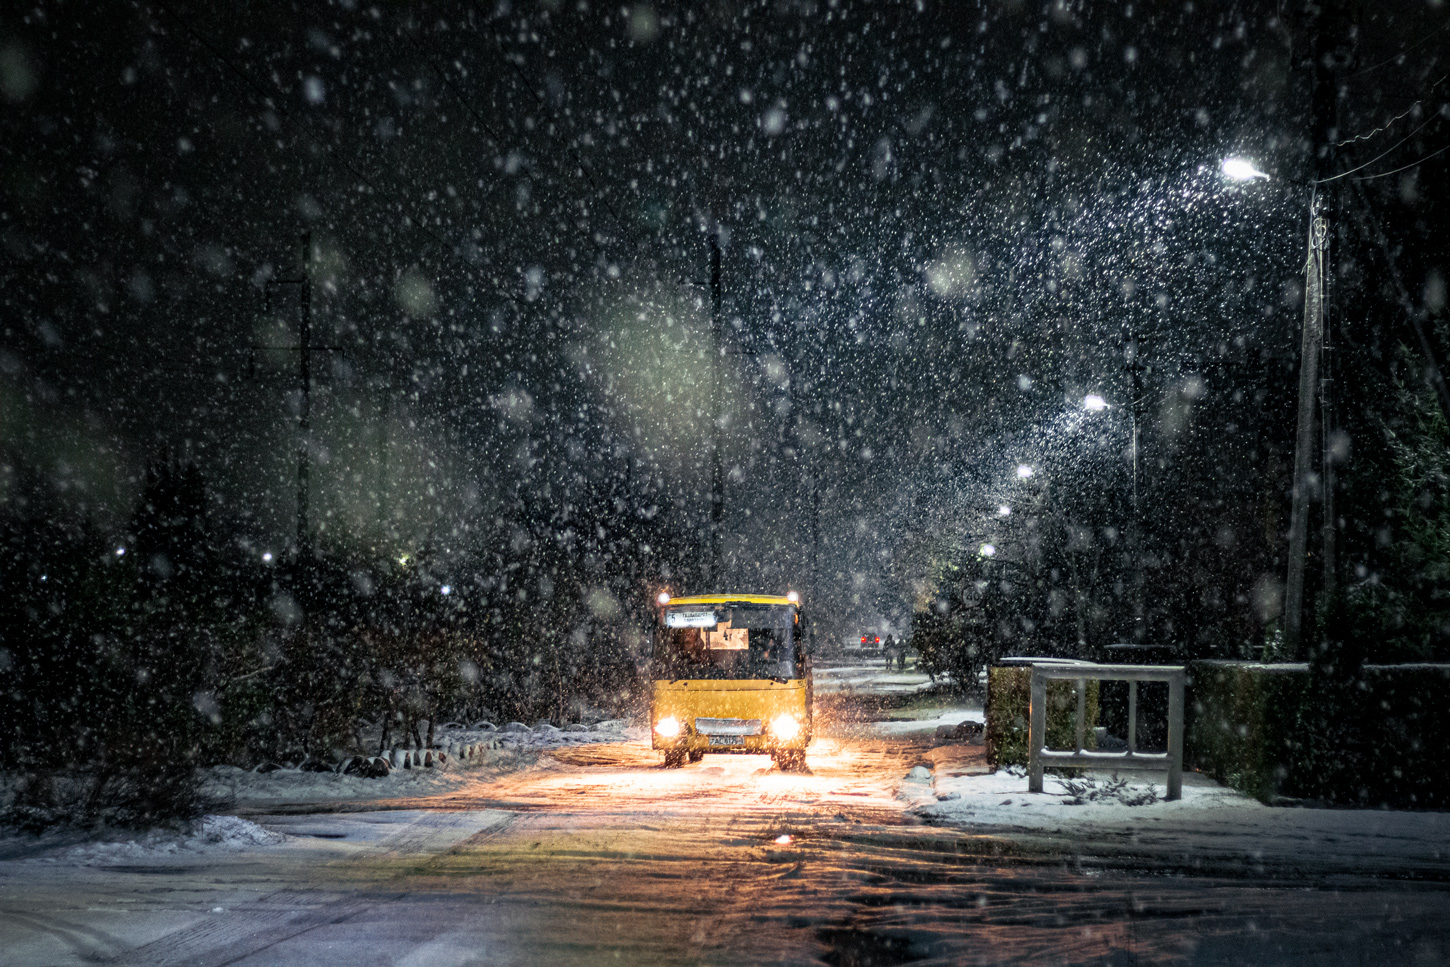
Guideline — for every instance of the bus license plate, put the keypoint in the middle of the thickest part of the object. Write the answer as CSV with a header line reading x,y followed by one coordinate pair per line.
x,y
727,740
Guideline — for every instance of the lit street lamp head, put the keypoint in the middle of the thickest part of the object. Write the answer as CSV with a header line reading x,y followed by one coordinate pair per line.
x,y
1237,169
1023,472
1094,403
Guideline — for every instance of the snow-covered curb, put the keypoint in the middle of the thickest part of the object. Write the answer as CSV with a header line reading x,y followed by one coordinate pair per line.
x,y
1211,827
463,750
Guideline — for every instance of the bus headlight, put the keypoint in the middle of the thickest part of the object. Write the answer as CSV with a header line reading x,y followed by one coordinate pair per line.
x,y
785,727
667,727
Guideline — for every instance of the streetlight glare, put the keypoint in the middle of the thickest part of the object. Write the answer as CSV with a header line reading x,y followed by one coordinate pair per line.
x,y
1237,169
1094,402
987,550
1023,472
1004,511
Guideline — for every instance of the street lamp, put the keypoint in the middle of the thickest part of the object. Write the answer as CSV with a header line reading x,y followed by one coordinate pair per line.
x,y
1094,403
1237,169
1023,471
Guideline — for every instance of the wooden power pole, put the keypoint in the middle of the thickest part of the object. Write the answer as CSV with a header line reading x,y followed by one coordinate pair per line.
x,y
717,467
1330,29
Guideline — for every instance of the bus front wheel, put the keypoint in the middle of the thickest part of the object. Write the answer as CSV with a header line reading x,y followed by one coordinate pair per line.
x,y
696,755
674,758
789,760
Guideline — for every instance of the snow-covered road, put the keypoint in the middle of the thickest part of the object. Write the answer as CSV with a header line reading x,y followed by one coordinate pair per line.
x,y
594,854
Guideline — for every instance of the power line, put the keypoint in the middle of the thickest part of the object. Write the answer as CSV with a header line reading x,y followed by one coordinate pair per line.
x,y
1404,50
1336,177
1391,121
1412,164
376,190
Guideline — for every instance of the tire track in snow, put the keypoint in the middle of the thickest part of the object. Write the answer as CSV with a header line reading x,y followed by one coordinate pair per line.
x,y
252,928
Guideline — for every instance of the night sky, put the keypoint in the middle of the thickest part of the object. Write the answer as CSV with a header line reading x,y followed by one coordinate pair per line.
x,y
943,224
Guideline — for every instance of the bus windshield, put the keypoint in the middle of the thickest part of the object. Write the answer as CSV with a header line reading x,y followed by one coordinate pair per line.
x,y
735,641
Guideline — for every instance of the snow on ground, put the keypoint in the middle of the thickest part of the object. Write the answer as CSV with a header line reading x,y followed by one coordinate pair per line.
x,y
1210,825
496,751
1001,799
909,722
873,677
210,834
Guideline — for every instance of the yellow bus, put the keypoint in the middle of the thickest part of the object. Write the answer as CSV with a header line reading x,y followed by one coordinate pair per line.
x,y
731,673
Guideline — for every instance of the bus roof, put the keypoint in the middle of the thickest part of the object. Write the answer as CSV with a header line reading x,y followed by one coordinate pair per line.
x,y
777,599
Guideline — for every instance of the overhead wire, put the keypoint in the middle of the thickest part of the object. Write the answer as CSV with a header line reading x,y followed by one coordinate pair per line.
x,y
1391,148
1369,134
1404,50
1412,164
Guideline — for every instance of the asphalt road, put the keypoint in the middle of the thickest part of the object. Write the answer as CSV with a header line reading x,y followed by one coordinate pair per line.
x,y
599,856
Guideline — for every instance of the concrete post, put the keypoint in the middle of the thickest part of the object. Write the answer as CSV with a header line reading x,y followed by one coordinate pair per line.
x,y
1175,737
1036,731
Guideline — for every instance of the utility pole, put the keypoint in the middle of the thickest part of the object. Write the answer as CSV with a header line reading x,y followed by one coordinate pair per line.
x,y
1330,524
717,468
1135,369
304,351
385,409
1300,495
1329,26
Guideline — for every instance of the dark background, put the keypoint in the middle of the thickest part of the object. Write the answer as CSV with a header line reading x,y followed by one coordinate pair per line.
x,y
943,224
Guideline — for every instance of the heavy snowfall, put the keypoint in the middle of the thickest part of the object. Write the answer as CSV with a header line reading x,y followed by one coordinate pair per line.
x,y
444,448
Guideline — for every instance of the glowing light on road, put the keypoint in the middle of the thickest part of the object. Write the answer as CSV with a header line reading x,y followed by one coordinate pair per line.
x,y
1094,403
668,727
783,839
1237,169
267,557
785,726
446,589
664,597
1023,472
1004,511
120,552
987,550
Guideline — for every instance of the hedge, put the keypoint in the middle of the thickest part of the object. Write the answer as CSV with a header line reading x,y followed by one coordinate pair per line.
x,y
1009,699
1284,731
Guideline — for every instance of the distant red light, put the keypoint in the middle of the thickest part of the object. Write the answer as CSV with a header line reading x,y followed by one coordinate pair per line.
x,y
863,639
878,639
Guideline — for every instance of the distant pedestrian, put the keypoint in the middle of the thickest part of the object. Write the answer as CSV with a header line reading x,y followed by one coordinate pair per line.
x,y
901,655
889,649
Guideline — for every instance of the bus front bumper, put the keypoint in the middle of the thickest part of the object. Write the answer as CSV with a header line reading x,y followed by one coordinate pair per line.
x,y
696,742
